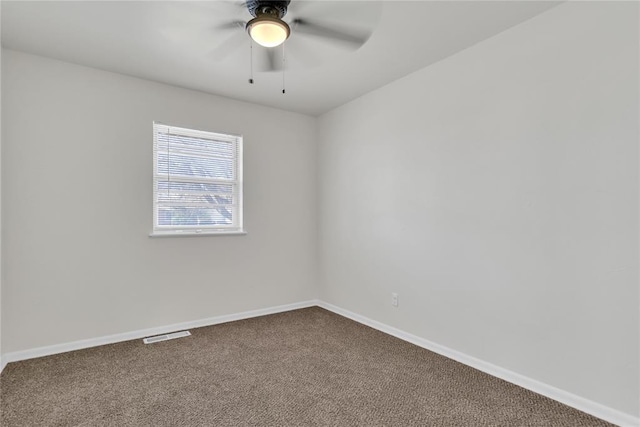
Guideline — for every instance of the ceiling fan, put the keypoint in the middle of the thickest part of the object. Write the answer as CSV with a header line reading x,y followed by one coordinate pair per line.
x,y
269,29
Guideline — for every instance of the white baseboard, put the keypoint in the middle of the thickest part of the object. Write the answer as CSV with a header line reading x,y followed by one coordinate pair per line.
x,y
3,363
110,339
596,409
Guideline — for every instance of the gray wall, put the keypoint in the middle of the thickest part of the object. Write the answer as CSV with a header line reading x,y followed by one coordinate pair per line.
x,y
497,193
77,207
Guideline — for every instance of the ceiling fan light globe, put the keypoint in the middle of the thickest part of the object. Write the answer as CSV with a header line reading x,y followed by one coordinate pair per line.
x,y
268,32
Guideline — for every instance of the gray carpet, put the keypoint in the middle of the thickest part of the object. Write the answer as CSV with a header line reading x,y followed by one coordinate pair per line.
x,y
306,367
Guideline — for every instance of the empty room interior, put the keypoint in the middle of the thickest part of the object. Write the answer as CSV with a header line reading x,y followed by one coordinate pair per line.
x,y
319,213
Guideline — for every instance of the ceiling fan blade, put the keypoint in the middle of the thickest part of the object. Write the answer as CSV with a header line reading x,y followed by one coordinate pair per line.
x,y
301,7
239,4
297,51
268,59
231,25
228,46
272,65
353,38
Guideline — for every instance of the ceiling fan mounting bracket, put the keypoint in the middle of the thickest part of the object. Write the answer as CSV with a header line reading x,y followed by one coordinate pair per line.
x,y
278,8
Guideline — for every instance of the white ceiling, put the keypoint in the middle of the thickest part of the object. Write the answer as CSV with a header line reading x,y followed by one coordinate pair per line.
x,y
178,43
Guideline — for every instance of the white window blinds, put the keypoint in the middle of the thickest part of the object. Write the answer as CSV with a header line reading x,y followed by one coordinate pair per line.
x,y
197,181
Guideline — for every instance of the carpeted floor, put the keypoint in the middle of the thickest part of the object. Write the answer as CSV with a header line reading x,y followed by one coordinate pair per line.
x,y
306,367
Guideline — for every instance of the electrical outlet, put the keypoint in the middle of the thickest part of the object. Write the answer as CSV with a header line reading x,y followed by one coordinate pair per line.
x,y
394,299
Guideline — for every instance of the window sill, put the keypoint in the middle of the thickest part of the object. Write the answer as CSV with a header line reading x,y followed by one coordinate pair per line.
x,y
197,233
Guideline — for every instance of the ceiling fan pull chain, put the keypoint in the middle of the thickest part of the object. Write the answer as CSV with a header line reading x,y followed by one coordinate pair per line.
x,y
251,62
283,62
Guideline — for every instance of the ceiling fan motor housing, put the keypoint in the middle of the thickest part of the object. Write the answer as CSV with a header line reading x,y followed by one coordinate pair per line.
x,y
275,7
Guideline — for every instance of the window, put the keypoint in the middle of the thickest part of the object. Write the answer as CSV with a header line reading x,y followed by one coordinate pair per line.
x,y
197,182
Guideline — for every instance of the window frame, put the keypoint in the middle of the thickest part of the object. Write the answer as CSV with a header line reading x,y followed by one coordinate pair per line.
x,y
237,226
